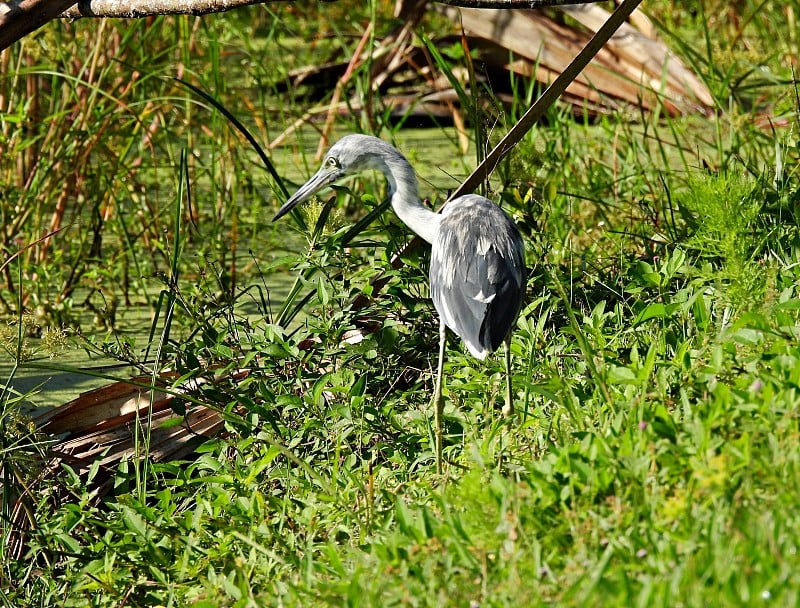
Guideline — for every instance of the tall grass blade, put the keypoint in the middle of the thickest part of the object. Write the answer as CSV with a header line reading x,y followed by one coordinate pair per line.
x,y
244,131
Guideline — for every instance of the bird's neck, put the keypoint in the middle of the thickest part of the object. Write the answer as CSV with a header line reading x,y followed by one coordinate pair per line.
x,y
415,215
404,193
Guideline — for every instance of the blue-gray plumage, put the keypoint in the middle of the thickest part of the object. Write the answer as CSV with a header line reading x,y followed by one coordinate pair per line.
x,y
477,272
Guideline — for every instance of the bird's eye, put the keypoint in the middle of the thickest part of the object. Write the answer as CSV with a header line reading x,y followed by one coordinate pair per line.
x,y
332,162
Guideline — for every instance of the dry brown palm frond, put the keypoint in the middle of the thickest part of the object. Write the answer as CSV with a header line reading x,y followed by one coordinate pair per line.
x,y
123,421
635,69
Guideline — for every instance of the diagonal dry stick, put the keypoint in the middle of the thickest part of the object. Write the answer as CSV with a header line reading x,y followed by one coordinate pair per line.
x,y
518,131
553,92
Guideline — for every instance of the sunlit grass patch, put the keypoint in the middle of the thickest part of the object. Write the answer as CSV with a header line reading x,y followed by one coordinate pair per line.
x,y
654,458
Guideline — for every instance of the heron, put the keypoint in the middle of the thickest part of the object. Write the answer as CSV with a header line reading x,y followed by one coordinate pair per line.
x,y
477,269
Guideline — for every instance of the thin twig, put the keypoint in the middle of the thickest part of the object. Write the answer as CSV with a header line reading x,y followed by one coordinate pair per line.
x,y
29,245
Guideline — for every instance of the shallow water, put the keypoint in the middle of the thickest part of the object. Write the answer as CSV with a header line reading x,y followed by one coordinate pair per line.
x,y
47,382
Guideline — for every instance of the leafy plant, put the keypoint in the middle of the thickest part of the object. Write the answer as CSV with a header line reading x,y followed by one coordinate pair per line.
x,y
654,458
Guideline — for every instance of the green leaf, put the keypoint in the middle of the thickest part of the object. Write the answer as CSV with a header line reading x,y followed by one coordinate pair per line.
x,y
622,375
749,336
322,292
656,310
174,421
133,521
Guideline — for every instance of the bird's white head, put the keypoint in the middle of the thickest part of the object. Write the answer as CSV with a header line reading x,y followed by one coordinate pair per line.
x,y
351,154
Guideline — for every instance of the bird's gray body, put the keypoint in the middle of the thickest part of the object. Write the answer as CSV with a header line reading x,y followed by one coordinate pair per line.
x,y
477,272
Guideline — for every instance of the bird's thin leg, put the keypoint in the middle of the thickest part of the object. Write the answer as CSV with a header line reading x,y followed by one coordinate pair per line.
x,y
438,398
508,408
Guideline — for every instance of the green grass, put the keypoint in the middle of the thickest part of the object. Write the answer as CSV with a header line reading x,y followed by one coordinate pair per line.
x,y
654,458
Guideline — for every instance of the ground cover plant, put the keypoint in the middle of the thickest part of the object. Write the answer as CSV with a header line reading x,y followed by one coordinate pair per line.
x,y
654,458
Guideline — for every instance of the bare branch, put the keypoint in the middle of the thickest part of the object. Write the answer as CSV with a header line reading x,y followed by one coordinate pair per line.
x,y
145,8
20,18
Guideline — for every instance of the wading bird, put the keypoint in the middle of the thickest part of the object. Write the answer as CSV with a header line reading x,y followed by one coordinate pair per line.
x,y
477,270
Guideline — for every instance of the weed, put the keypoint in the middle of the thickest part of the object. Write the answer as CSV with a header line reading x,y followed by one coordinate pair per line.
x,y
654,459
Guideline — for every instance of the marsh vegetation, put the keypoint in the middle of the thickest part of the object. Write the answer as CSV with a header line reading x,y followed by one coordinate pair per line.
x,y
655,457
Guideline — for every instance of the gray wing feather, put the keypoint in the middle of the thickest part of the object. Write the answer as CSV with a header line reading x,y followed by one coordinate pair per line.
x,y
477,272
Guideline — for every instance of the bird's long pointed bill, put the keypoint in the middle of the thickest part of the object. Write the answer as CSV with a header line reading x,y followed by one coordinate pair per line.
x,y
318,181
